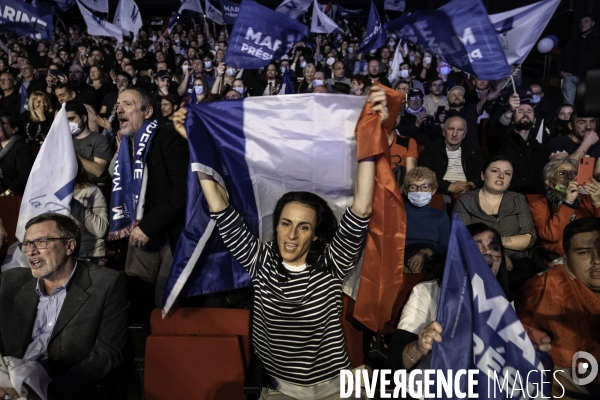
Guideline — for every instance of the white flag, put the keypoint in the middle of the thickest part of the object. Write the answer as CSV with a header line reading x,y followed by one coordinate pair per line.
x,y
213,13
293,8
128,17
96,5
50,185
520,29
394,5
321,23
192,5
99,27
395,66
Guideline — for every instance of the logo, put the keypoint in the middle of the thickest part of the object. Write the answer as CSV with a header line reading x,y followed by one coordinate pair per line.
x,y
583,372
134,13
120,212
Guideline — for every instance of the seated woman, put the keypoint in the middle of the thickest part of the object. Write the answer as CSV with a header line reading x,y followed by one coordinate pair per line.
x,y
297,277
37,120
560,124
505,211
563,203
427,228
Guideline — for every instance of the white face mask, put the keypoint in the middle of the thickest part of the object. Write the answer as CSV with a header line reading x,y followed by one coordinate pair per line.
x,y
208,64
240,90
330,61
404,73
231,71
185,68
317,82
75,129
199,89
445,70
350,49
427,60
412,58
536,98
419,199
303,64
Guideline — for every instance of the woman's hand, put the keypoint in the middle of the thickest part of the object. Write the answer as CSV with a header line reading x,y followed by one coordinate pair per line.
x,y
40,112
572,191
103,122
431,333
179,121
418,261
593,189
378,101
544,344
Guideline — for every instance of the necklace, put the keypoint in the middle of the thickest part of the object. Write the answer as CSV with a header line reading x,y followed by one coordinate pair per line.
x,y
490,204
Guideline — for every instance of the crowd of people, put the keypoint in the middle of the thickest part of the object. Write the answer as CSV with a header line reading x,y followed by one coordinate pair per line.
x,y
481,145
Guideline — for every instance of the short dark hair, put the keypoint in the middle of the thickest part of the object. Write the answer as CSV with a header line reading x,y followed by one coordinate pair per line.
x,y
11,118
67,86
579,114
66,227
493,159
76,107
580,225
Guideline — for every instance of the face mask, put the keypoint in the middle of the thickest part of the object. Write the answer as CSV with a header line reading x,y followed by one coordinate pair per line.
x,y
536,98
419,199
427,60
283,69
71,31
208,64
303,64
391,44
75,129
404,73
412,58
445,70
350,49
240,90
317,82
231,71
339,37
560,188
154,38
330,61
216,48
185,68
200,40
199,89
563,124
177,41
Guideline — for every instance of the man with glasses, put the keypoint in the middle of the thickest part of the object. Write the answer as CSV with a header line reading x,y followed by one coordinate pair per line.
x,y
513,136
67,314
10,99
77,79
29,84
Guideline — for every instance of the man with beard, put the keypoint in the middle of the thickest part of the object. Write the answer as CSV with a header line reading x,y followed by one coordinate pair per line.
x,y
435,98
270,85
582,141
511,135
375,74
160,157
77,79
469,112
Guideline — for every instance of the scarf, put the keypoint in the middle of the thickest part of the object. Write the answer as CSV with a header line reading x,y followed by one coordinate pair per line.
x,y
555,201
6,149
129,183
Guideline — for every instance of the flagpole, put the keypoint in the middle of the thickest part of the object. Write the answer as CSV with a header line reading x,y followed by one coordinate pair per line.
x,y
513,83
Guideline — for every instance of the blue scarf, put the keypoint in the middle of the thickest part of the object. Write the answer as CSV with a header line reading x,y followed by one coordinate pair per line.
x,y
128,183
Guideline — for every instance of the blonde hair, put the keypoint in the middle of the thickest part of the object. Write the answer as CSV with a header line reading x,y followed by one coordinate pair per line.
x,y
309,66
34,96
418,174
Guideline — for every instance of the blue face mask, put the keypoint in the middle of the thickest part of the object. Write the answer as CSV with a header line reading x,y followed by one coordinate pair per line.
x,y
536,98
283,69
303,64
419,199
445,70
350,49
240,90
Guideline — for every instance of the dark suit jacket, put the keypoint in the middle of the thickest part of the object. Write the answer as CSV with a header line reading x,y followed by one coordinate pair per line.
x,y
90,331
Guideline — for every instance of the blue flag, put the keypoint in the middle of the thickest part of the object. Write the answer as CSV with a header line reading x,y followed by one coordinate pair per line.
x,y
261,35
230,11
459,33
376,36
18,17
481,329
344,12
172,22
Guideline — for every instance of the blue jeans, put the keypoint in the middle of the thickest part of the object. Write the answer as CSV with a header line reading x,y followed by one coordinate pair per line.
x,y
569,88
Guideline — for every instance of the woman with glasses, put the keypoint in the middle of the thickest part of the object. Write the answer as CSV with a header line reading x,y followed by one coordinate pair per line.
x,y
563,203
504,211
427,228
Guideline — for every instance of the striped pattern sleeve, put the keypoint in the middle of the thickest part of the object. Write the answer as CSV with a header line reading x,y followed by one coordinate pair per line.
x,y
244,246
347,243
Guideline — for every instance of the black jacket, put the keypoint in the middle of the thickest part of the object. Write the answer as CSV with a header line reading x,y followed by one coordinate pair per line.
x,y
581,54
16,166
435,158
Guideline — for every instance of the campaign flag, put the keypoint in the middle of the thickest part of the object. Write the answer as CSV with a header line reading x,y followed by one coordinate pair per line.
x,y
394,5
18,17
50,185
230,11
460,33
481,330
321,23
376,36
64,5
293,8
345,12
260,35
286,84
213,13
190,5
172,22
96,5
394,69
520,29
128,17
99,27
259,148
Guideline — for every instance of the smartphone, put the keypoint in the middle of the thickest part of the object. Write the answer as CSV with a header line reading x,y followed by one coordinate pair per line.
x,y
440,110
585,170
56,72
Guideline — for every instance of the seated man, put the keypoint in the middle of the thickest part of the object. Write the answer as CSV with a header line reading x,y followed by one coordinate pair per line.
x,y
415,123
456,162
564,302
436,97
69,315
16,159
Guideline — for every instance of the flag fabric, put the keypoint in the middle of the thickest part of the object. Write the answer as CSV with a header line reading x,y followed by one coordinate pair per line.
x,y
50,185
213,13
383,261
520,29
376,36
99,27
345,12
394,73
481,330
230,11
261,35
321,23
18,17
128,17
293,8
172,22
286,84
96,5
460,33
394,5
64,5
259,148
190,5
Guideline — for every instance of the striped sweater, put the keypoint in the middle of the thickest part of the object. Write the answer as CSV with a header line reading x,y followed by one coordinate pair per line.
x,y
296,327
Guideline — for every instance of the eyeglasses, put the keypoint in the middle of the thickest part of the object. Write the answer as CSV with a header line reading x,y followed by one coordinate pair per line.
x,y
492,248
41,243
419,188
415,98
567,174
